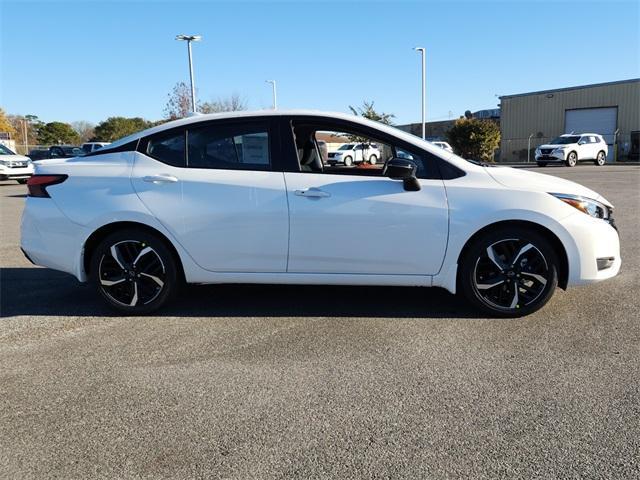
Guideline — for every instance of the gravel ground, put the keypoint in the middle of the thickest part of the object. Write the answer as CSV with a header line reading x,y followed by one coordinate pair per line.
x,y
312,382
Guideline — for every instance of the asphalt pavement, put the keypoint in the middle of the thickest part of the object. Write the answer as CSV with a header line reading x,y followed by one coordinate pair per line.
x,y
245,382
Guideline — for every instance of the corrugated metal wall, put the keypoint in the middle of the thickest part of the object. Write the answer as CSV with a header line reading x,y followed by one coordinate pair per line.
x,y
543,115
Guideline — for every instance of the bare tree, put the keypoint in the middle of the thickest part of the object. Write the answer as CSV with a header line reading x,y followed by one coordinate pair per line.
x,y
232,103
85,130
179,103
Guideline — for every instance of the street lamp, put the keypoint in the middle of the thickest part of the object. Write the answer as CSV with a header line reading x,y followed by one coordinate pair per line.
x,y
273,85
529,147
189,39
424,94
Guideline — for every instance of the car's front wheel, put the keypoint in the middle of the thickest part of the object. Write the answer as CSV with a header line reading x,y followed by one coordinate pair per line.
x,y
572,159
134,271
509,272
601,159
373,159
348,161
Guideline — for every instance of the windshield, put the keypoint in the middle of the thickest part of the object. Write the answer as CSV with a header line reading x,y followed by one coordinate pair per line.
x,y
565,140
5,151
348,146
72,151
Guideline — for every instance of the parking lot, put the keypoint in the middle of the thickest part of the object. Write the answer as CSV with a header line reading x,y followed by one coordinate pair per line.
x,y
320,382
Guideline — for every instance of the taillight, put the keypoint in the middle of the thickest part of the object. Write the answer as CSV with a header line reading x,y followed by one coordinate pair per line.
x,y
37,184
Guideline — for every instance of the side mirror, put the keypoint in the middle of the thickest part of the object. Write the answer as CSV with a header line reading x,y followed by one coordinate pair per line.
x,y
405,170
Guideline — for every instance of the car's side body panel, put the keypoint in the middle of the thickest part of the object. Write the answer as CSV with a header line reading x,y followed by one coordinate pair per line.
x,y
228,220
365,225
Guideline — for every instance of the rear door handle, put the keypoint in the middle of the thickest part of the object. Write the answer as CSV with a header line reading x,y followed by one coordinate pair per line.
x,y
312,193
160,179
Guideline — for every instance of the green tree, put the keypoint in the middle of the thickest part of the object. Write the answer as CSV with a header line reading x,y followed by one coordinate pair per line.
x,y
367,110
57,132
114,128
475,139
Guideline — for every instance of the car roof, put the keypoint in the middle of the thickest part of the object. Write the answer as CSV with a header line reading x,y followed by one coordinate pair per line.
x,y
197,118
578,134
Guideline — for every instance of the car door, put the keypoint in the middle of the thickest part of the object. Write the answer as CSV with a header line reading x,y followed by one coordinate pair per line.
x,y
216,188
365,223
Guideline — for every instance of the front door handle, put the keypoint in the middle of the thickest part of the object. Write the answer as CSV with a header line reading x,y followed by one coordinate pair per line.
x,y
160,179
312,193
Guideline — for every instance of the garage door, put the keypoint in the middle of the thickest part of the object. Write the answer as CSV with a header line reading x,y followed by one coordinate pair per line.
x,y
593,120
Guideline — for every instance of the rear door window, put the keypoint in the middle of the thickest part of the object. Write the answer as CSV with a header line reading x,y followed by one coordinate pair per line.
x,y
242,146
168,148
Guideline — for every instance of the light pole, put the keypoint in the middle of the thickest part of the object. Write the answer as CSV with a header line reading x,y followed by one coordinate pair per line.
x,y
529,147
424,91
275,98
189,39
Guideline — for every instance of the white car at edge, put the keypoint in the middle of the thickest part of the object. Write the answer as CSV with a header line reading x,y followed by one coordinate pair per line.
x,y
572,148
14,166
244,197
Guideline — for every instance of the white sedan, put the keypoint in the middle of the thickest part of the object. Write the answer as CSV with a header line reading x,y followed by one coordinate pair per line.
x,y
245,198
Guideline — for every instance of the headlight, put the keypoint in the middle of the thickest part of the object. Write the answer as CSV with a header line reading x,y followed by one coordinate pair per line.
x,y
558,150
591,207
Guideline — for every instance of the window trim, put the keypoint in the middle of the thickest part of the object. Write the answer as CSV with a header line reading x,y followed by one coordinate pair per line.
x,y
290,154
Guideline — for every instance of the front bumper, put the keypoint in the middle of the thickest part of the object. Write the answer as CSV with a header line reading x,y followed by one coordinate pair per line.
x,y
15,173
593,241
552,157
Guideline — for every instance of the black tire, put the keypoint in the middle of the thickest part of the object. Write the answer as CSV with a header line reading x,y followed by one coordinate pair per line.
x,y
22,181
572,159
534,275
601,158
348,161
142,271
542,164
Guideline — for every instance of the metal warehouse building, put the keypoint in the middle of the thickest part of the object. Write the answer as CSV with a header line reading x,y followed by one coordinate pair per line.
x,y
611,109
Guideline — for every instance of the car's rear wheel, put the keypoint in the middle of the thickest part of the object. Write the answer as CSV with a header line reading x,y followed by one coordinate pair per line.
x,y
134,271
348,161
542,164
509,272
373,159
572,159
601,159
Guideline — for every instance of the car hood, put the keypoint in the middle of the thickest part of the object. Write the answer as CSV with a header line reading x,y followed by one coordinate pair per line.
x,y
522,179
564,145
14,158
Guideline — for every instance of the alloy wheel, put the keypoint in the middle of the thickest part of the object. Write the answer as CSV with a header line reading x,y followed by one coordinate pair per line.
x,y
131,273
572,160
601,158
510,274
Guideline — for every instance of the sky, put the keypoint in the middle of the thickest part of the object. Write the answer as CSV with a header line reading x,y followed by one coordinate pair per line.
x,y
89,60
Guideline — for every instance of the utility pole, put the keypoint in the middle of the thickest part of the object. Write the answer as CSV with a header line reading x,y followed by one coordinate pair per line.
x,y
424,90
275,98
189,39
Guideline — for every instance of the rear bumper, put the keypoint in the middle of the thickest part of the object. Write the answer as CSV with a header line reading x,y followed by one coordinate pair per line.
x,y
49,239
